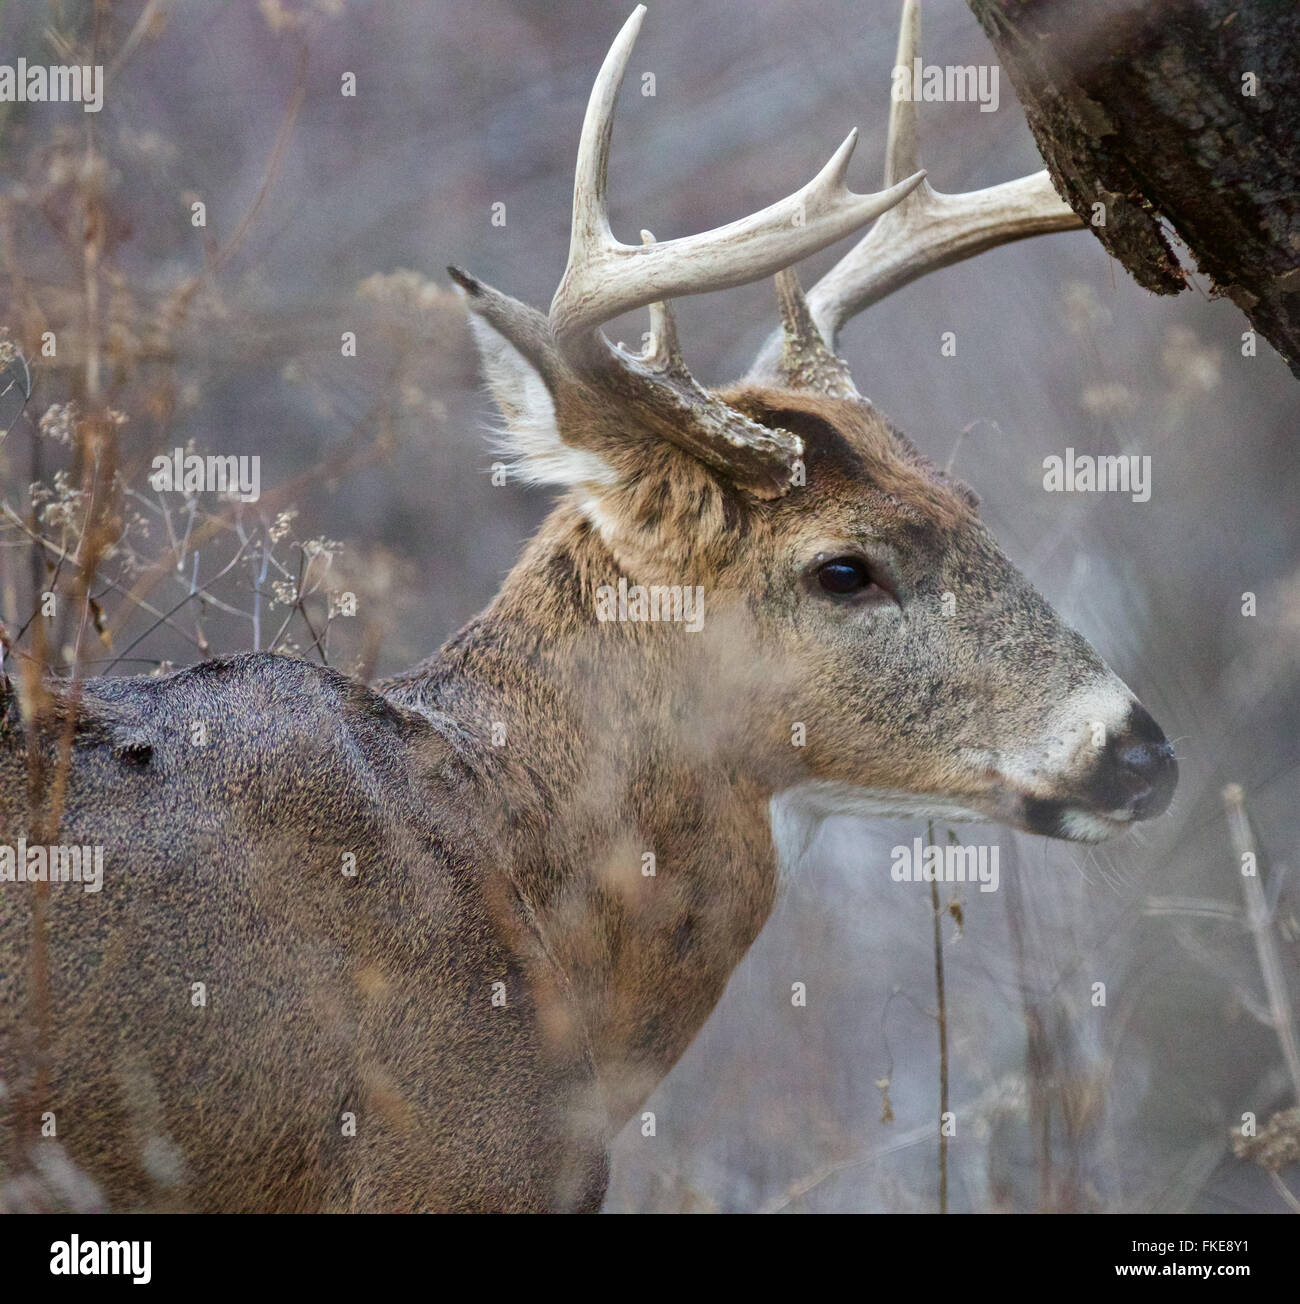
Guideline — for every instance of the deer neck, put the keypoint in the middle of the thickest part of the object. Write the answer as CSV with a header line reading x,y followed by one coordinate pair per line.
x,y
622,795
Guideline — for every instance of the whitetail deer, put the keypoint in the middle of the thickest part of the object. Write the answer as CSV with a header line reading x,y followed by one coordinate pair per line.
x,y
465,1020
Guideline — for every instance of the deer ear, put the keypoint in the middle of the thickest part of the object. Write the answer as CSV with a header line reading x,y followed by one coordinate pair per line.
x,y
529,435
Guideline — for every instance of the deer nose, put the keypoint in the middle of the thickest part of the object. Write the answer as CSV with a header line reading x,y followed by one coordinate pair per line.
x,y
1138,770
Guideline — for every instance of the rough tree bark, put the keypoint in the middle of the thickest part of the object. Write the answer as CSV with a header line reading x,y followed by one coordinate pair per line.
x,y
1146,106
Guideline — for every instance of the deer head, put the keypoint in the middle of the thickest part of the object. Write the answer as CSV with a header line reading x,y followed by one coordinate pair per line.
x,y
863,602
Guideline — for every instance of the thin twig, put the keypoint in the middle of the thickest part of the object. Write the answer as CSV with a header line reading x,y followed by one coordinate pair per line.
x,y
62,555
1284,1191
937,911
1259,919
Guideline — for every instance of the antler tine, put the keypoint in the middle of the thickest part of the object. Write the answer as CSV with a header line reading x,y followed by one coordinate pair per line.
x,y
662,351
806,360
591,172
941,230
927,230
901,147
604,277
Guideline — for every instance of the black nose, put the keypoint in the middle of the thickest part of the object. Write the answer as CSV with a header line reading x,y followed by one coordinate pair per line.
x,y
1138,772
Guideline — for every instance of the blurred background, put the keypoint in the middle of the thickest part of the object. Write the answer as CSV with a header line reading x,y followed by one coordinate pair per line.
x,y
328,213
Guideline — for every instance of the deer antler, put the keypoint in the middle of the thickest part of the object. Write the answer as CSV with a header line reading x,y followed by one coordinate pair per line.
x,y
590,378
605,277
924,232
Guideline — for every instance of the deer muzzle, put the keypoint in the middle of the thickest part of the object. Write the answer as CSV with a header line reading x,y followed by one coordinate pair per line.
x,y
1132,778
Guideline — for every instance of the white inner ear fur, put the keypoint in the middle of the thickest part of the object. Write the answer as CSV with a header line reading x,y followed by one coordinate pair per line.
x,y
529,438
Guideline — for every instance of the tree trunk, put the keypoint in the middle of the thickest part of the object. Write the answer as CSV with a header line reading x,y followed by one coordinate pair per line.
x,y
1183,110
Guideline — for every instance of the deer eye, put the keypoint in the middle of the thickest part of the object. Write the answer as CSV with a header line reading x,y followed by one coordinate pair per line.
x,y
843,577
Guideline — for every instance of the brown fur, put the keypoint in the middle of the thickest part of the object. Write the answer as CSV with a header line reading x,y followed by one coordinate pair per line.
x,y
479,864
